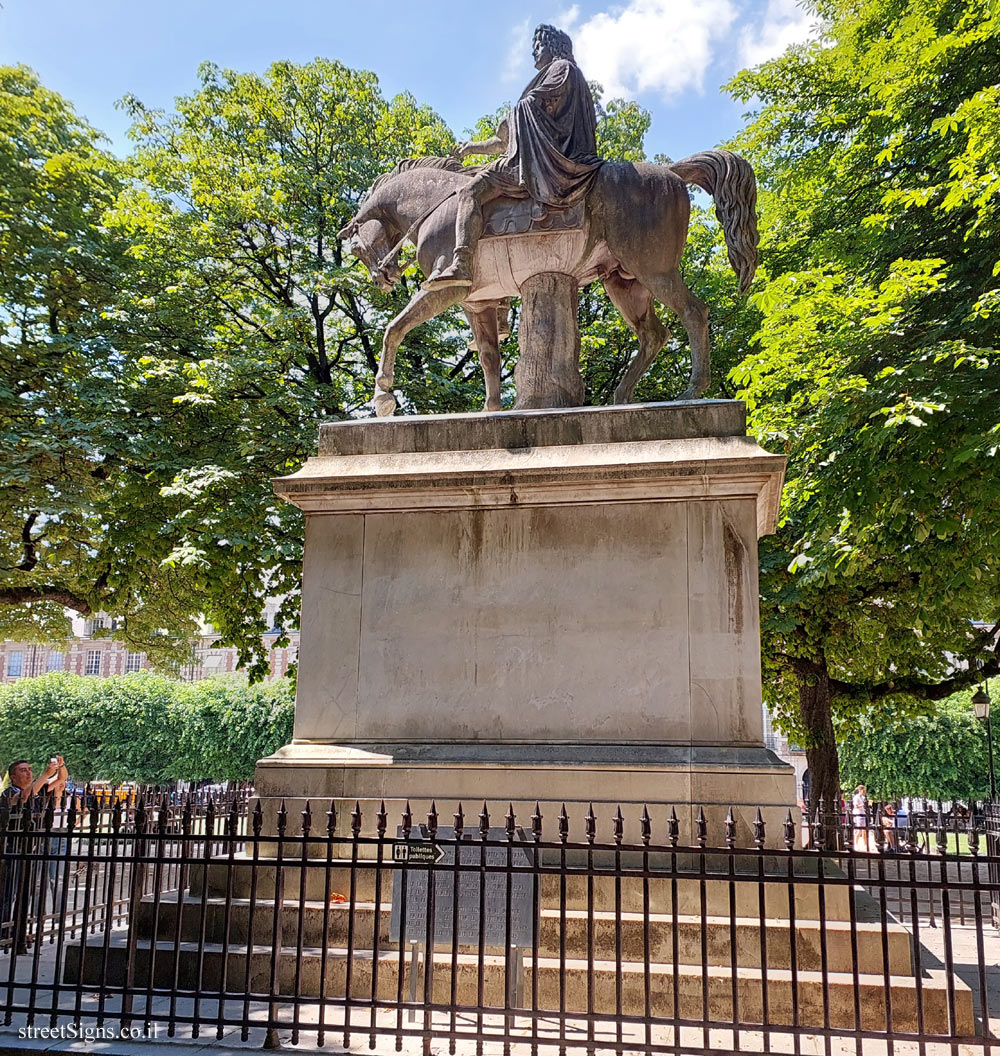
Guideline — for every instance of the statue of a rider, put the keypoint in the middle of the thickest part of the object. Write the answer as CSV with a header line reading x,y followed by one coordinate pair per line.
x,y
547,145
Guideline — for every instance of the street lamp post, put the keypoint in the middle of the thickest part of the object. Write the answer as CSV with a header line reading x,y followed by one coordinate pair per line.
x,y
981,704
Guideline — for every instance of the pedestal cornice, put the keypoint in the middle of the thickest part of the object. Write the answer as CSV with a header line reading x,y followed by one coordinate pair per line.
x,y
674,452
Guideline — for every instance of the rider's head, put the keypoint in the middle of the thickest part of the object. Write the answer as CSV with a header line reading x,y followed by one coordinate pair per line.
x,y
549,44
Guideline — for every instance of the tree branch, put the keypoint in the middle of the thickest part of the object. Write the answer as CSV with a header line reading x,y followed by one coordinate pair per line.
x,y
45,592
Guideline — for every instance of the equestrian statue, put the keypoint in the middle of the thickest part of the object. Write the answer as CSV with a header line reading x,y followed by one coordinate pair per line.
x,y
549,206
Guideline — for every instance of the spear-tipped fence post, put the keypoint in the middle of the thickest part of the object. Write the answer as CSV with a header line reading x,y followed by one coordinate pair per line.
x,y
759,831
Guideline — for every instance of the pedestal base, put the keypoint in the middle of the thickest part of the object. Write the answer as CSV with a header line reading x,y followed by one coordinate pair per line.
x,y
577,776
553,605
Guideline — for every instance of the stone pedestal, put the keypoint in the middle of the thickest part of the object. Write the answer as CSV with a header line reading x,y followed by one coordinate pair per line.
x,y
547,373
554,605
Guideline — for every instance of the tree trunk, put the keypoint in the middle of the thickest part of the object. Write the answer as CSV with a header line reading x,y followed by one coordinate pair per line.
x,y
821,744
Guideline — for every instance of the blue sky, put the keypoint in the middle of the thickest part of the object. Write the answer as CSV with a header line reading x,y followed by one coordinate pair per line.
x,y
670,55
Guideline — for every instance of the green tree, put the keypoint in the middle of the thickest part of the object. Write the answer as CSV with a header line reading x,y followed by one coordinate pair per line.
x,y
175,328
875,366
63,421
248,319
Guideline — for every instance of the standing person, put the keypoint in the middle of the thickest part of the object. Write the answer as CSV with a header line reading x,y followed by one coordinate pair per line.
x,y
23,784
60,792
19,801
859,814
889,825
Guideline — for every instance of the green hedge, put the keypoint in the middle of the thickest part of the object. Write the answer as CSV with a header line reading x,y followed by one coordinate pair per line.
x,y
144,727
942,756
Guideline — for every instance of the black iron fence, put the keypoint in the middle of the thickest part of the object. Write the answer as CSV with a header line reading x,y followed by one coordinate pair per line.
x,y
547,933
69,890
906,846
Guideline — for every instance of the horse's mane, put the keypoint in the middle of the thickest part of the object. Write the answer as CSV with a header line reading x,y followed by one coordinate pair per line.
x,y
431,162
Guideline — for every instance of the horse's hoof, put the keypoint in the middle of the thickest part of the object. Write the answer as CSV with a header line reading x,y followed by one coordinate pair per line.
x,y
385,404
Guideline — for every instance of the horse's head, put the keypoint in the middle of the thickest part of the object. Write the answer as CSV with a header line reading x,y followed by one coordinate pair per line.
x,y
367,240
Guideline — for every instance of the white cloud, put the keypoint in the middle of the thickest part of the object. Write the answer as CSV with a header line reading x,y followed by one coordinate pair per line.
x,y
518,60
662,46
784,23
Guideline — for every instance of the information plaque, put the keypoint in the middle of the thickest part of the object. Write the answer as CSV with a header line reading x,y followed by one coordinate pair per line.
x,y
437,859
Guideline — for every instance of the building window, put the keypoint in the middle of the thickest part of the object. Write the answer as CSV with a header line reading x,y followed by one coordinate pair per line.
x,y
15,664
56,661
93,662
133,661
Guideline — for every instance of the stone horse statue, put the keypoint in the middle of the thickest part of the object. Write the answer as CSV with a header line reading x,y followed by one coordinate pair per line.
x,y
629,232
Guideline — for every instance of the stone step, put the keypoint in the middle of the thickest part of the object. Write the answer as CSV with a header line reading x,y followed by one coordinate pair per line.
x,y
692,895
839,996
573,932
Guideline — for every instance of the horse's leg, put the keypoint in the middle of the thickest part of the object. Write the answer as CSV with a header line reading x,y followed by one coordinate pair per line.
x,y
424,305
635,303
485,328
669,288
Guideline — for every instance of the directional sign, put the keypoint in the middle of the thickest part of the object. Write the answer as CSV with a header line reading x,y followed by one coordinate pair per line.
x,y
503,919
424,852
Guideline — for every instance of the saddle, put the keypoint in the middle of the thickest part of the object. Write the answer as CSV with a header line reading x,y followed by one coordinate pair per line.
x,y
522,216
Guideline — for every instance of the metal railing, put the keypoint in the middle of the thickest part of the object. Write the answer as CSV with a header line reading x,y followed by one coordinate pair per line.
x,y
71,890
908,847
499,929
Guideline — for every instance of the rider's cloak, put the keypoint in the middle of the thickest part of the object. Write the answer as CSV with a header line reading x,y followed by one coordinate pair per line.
x,y
552,144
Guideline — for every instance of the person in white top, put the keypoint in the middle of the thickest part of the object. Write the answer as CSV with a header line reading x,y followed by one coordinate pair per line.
x,y
859,810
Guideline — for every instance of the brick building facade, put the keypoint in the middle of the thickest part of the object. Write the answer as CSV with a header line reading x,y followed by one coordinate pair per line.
x,y
88,653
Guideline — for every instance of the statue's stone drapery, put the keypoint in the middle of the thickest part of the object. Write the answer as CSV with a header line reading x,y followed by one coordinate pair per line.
x,y
552,146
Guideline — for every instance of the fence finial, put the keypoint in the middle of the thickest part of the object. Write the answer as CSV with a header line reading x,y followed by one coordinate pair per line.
x,y
536,823
759,830
789,830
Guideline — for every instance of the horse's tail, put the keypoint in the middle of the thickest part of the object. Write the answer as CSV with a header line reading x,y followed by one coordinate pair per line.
x,y
729,179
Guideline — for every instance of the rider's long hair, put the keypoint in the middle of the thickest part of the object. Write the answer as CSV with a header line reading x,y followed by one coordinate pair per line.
x,y
557,42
